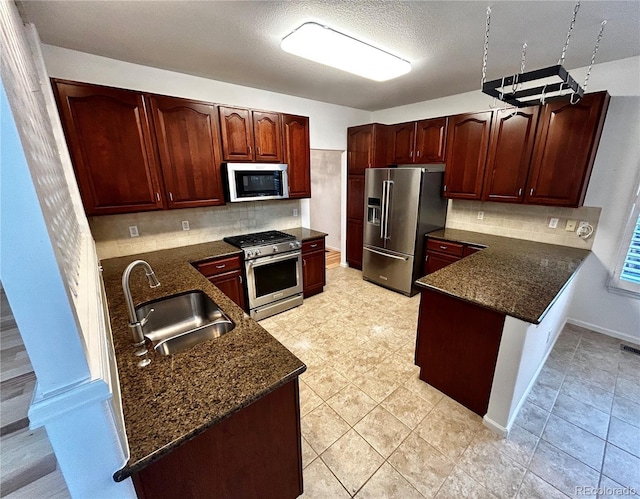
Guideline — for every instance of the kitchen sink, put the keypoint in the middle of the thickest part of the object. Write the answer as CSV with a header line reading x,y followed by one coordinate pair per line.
x,y
178,322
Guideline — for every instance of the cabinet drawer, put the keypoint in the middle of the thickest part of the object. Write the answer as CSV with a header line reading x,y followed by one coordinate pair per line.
x,y
314,245
447,247
470,250
219,265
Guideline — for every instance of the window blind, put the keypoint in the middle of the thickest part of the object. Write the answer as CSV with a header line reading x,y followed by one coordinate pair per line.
x,y
631,266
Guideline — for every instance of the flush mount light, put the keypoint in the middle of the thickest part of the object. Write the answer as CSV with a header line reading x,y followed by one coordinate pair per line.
x,y
324,45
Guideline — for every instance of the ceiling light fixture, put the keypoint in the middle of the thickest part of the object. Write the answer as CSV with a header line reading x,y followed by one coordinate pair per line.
x,y
324,45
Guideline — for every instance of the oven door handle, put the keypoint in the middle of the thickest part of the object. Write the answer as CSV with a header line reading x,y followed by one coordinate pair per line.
x,y
273,259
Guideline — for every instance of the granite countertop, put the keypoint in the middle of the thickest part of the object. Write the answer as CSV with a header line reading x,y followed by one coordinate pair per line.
x,y
511,276
179,396
305,234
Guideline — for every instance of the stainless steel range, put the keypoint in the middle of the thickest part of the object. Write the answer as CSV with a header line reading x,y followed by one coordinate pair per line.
x,y
273,264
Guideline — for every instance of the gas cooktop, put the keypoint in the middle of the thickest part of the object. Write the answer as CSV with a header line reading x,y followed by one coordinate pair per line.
x,y
259,238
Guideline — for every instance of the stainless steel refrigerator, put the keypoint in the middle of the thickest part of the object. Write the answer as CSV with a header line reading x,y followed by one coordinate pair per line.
x,y
401,205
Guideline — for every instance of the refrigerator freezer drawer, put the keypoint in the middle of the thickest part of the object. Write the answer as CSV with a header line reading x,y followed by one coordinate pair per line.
x,y
391,270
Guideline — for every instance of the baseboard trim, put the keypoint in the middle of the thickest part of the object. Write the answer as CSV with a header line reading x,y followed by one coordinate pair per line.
x,y
495,427
609,332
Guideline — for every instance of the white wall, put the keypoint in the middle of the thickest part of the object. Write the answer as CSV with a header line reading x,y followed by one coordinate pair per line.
x,y
326,189
612,182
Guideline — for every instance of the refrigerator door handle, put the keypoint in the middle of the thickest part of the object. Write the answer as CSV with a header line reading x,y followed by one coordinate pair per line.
x,y
382,210
403,258
386,208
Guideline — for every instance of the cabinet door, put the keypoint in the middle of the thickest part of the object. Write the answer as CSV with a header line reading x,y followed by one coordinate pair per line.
x,y
313,267
354,243
297,154
189,149
237,134
267,138
359,149
436,261
403,138
231,284
509,157
111,145
431,137
355,199
565,150
467,145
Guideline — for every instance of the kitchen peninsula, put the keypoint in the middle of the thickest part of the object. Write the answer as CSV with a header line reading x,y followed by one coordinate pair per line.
x,y
488,321
210,412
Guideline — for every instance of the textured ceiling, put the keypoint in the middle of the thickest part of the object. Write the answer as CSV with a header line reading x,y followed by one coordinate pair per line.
x,y
238,41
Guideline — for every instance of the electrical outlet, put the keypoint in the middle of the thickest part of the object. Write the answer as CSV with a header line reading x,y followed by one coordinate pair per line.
x,y
480,215
571,225
553,223
582,224
185,225
133,231
295,212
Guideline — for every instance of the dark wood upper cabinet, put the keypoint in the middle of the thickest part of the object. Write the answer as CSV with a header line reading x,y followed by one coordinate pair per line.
x,y
431,137
510,147
403,138
565,150
189,149
295,134
366,147
267,137
467,146
111,145
250,135
237,134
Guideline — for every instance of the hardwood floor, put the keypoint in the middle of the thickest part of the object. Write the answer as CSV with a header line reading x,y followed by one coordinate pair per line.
x,y
28,466
332,258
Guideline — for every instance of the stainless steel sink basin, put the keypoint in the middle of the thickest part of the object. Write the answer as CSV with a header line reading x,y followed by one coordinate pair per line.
x,y
181,321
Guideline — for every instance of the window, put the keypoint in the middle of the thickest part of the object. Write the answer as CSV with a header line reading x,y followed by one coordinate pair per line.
x,y
626,277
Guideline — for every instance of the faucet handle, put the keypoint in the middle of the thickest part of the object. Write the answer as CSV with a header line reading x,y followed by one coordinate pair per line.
x,y
145,319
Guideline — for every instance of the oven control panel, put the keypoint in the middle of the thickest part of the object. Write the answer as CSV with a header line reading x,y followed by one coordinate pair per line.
x,y
272,249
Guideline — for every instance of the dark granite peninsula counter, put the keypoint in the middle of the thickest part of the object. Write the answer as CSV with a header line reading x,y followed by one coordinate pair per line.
x,y
189,394
488,321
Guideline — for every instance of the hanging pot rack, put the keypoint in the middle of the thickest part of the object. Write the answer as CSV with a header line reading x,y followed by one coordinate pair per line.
x,y
509,89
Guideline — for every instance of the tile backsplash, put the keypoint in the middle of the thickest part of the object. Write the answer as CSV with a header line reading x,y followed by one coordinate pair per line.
x,y
163,229
523,221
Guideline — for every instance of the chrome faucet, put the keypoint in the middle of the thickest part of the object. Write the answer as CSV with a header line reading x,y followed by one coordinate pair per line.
x,y
134,323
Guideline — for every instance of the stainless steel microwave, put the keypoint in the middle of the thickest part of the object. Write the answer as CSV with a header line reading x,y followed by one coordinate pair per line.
x,y
256,182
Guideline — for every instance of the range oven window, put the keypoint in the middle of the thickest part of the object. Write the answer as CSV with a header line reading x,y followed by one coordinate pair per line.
x,y
258,183
274,277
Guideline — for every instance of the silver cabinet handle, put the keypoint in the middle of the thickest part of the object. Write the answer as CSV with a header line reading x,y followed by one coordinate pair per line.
x,y
158,196
531,192
314,245
240,278
221,266
443,247
417,154
258,150
249,150
519,192
171,196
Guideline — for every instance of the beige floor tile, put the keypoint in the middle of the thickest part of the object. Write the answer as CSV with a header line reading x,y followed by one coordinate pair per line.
x,y
459,484
519,445
308,454
500,474
629,366
361,360
582,415
319,483
585,392
394,367
422,465
352,404
309,399
387,483
575,441
449,434
326,382
532,418
424,390
376,386
622,467
382,430
322,426
352,460
624,436
594,375
534,487
626,410
405,406
561,470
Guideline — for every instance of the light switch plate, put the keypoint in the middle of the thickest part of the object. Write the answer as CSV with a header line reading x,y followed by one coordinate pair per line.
x,y
133,231
295,212
480,215
571,225
553,223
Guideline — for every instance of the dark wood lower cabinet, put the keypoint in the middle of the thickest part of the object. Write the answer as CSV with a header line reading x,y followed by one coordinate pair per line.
x,y
457,348
435,261
255,453
354,243
313,267
230,283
